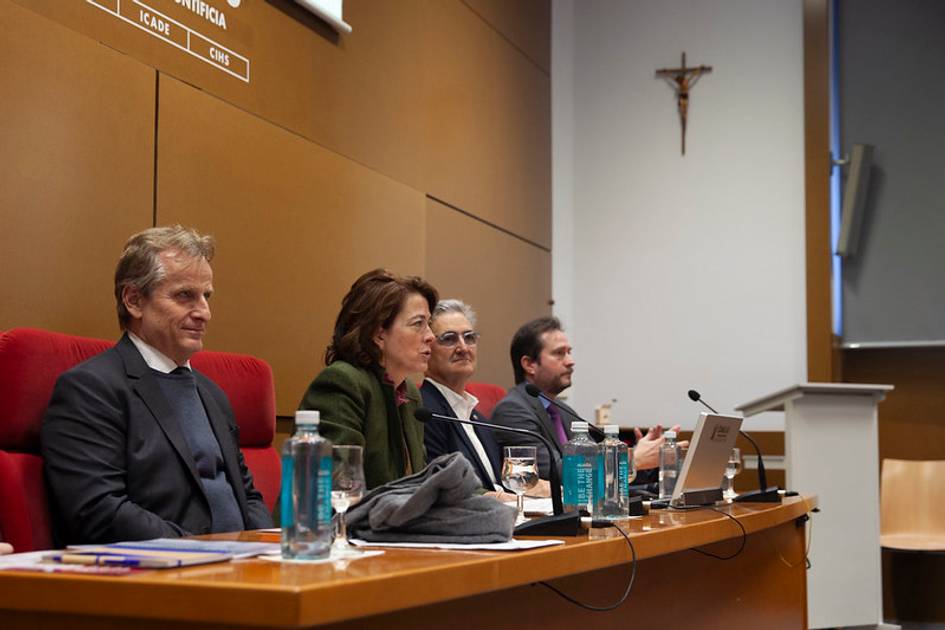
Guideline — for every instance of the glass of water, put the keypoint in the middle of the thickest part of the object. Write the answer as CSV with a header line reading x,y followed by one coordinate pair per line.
x,y
520,474
347,488
733,467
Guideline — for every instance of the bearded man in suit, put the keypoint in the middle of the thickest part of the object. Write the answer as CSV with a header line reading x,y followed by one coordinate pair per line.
x,y
541,356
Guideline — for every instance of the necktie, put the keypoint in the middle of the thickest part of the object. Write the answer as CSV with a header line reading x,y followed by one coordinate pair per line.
x,y
555,415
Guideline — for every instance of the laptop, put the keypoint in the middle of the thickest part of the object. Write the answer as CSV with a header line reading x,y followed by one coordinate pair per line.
x,y
700,480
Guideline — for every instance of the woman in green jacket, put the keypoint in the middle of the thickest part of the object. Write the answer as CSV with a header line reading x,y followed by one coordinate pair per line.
x,y
366,395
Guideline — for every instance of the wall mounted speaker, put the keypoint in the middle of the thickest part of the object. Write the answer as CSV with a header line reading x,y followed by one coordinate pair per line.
x,y
854,199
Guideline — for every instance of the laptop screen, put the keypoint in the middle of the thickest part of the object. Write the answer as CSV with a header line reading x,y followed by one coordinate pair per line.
x,y
712,441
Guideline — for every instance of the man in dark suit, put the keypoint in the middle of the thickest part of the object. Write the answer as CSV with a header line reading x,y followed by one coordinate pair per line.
x,y
136,444
451,366
541,355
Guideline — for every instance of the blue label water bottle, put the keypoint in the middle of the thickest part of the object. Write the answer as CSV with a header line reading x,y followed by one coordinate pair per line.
x,y
582,472
305,500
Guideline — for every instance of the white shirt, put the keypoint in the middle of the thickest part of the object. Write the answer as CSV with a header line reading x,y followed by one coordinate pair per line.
x,y
462,406
155,359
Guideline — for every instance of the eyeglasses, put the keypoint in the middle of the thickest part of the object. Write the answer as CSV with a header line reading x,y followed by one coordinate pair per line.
x,y
450,338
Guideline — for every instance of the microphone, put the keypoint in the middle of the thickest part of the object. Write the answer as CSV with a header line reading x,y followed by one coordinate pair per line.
x,y
695,397
764,494
533,390
561,523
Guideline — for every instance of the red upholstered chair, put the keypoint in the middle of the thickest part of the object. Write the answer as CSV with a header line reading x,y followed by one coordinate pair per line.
x,y
488,394
248,384
31,361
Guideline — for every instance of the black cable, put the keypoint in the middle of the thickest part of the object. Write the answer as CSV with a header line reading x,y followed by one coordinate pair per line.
x,y
626,593
737,522
810,537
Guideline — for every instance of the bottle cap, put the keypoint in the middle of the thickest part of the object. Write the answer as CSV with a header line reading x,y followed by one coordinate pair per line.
x,y
670,434
307,416
579,426
611,429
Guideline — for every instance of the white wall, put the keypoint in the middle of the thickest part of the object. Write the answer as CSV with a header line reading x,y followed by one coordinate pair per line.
x,y
675,272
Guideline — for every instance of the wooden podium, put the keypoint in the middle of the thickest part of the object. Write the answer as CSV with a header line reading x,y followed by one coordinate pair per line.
x,y
831,449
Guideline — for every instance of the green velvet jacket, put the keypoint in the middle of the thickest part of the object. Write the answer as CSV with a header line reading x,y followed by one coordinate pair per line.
x,y
356,407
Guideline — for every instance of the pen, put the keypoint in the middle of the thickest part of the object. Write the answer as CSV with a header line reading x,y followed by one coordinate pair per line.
x,y
113,560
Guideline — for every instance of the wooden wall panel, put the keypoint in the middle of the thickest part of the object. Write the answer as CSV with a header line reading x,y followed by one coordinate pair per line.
x,y
295,224
488,124
76,165
357,95
506,280
912,418
526,23
823,360
424,91
426,97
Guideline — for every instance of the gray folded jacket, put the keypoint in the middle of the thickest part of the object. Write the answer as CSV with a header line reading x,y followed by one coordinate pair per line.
x,y
439,504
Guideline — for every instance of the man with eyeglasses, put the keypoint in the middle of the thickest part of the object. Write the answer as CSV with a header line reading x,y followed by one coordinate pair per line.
x,y
451,366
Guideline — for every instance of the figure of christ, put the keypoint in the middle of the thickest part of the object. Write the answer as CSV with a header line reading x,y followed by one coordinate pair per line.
x,y
682,80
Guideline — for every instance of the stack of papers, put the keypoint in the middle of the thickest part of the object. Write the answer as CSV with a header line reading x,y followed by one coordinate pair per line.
x,y
137,558
161,553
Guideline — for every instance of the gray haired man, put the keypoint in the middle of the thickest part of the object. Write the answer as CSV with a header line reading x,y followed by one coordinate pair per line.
x,y
136,444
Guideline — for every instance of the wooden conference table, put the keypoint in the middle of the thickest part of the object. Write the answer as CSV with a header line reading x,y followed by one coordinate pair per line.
x,y
762,587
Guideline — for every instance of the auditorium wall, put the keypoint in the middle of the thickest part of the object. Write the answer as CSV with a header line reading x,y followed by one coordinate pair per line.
x,y
420,142
679,271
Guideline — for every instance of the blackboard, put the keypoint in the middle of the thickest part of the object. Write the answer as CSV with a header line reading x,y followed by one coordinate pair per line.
x,y
891,86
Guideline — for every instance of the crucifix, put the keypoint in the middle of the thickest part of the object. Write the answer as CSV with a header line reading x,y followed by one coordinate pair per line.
x,y
682,79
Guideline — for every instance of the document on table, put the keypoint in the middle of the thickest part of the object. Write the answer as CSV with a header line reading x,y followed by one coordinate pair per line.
x,y
540,506
232,548
512,545
535,506
37,561
137,558
161,553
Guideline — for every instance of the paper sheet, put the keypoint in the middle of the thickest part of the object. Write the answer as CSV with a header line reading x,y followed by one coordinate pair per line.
x,y
512,545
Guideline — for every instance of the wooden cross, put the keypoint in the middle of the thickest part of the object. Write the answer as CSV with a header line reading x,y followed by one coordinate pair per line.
x,y
682,79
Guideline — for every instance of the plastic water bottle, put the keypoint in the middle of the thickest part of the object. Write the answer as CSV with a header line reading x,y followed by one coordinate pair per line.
x,y
669,465
583,474
616,504
306,491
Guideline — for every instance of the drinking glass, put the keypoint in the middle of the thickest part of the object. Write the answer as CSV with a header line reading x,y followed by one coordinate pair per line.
x,y
733,467
520,474
347,488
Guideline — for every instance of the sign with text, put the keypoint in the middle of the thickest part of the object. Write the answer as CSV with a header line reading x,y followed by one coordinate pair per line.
x,y
194,29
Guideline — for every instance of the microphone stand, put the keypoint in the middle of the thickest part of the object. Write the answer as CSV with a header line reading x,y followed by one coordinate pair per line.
x,y
763,494
561,523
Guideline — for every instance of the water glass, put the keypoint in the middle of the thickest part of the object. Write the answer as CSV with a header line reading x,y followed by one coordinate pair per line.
x,y
347,488
520,474
733,467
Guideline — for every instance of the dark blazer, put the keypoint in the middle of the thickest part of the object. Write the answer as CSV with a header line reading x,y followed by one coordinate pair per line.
x,y
358,408
117,463
522,411
447,437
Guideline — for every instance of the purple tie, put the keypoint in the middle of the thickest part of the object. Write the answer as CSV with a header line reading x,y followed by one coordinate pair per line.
x,y
555,415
